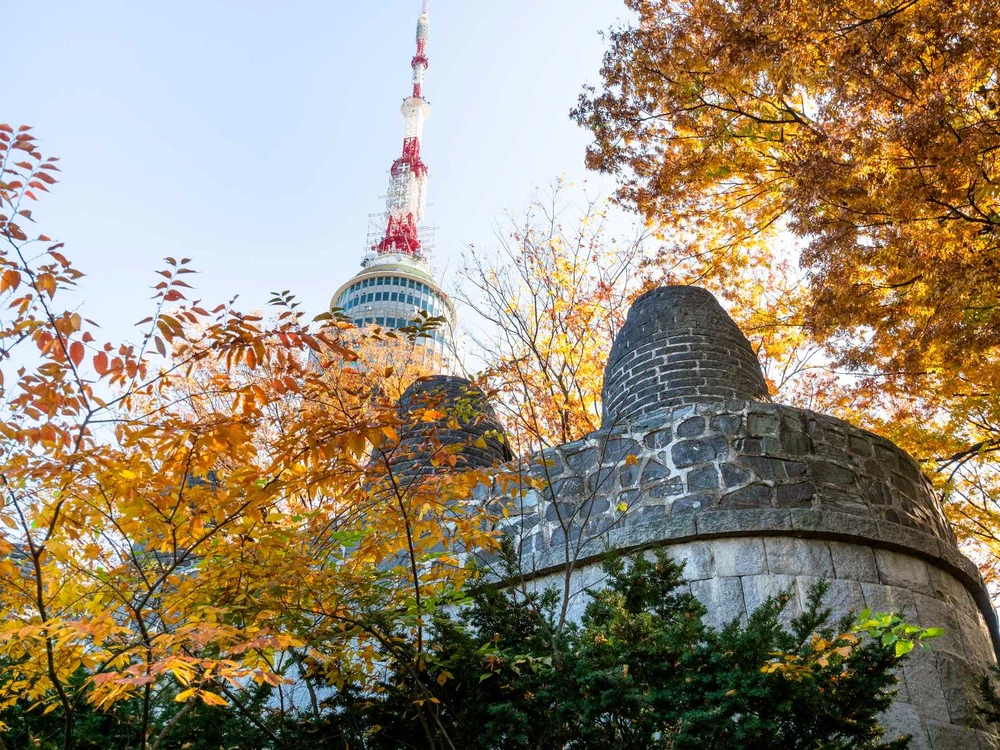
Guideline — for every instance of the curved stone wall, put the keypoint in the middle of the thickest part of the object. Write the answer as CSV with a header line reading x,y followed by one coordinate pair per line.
x,y
733,575
756,498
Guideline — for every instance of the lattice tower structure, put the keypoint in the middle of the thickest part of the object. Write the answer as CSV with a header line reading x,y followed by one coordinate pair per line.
x,y
406,200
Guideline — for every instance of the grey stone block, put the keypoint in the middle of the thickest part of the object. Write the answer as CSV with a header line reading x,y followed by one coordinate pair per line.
x,y
798,557
906,571
902,720
705,478
617,449
670,488
727,424
739,557
660,530
757,589
903,536
581,460
842,597
933,613
798,495
837,524
751,496
975,636
947,588
691,428
723,598
881,598
697,557
859,445
654,471
854,562
761,425
825,472
659,439
743,521
959,681
924,685
691,452
734,476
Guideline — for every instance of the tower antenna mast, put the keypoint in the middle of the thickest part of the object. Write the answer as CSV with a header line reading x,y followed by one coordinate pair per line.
x,y
406,201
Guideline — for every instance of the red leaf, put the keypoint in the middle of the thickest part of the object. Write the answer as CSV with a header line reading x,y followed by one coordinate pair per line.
x,y
6,128
76,352
101,363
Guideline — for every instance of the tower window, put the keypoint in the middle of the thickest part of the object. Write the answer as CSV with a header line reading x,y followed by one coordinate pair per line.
x,y
380,321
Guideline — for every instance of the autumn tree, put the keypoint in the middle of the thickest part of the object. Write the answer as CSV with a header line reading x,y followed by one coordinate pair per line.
x,y
552,292
856,140
192,520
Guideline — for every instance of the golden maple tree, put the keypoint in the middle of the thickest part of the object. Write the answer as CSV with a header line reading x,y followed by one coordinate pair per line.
x,y
855,141
204,511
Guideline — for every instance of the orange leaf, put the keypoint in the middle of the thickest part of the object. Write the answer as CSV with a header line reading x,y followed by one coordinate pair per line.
x,y
11,279
76,352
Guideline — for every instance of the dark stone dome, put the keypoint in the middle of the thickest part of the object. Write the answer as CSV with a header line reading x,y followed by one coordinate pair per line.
x,y
678,346
459,401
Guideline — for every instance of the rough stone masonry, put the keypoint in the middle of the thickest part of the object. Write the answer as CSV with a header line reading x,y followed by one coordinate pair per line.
x,y
756,498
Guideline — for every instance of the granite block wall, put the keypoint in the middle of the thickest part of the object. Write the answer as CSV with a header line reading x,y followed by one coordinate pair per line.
x,y
756,498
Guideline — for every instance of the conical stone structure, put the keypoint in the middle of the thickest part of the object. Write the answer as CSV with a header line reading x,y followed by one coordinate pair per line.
x,y
445,412
756,498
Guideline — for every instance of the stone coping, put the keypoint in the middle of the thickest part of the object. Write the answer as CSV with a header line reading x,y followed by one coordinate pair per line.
x,y
794,522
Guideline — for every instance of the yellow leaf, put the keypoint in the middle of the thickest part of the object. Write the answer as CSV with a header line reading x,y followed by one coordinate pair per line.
x,y
211,699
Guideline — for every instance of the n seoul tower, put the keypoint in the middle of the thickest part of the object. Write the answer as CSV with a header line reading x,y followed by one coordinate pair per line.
x,y
395,283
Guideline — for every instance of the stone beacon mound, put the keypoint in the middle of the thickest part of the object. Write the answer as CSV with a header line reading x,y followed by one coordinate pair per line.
x,y
756,498
462,417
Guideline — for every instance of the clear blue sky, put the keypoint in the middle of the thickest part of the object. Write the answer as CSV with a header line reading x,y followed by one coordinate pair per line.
x,y
255,136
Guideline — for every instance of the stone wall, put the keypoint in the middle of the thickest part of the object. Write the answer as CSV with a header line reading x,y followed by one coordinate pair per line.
x,y
756,498
465,422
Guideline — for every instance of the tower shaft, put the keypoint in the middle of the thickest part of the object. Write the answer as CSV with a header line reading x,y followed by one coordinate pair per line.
x,y
407,197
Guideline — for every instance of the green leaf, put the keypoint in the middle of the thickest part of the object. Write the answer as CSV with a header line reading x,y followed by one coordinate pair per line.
x,y
903,648
932,633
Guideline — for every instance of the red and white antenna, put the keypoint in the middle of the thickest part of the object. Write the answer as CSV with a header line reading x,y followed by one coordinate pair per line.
x,y
407,198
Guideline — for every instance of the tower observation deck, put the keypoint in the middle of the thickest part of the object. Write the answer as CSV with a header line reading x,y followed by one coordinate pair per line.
x,y
396,284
